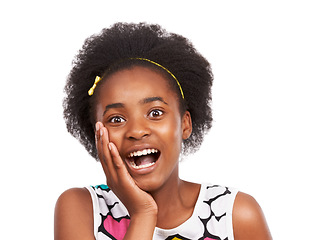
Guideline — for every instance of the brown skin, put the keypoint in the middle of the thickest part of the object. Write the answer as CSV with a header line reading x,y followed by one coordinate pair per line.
x,y
248,219
138,110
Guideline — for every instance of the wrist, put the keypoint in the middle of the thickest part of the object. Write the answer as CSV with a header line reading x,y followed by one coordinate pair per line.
x,y
144,212
141,227
149,217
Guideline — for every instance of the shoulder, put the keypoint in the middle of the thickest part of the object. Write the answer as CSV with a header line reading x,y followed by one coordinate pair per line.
x,y
74,199
248,219
73,217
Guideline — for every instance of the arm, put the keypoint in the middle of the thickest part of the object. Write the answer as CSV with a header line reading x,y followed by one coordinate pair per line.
x,y
74,216
140,205
248,219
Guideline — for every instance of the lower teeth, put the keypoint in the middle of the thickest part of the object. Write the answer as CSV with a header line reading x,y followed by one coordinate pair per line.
x,y
141,166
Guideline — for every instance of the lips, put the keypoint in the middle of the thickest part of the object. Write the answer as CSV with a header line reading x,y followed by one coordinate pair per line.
x,y
144,158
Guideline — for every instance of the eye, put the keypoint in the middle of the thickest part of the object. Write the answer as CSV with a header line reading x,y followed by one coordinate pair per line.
x,y
155,113
117,119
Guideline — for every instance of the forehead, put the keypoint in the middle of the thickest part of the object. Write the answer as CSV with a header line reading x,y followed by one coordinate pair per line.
x,y
129,84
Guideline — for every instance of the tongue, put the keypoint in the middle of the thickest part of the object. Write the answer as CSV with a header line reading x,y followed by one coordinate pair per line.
x,y
143,160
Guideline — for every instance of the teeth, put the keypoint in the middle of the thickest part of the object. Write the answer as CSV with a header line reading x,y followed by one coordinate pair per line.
x,y
141,166
143,152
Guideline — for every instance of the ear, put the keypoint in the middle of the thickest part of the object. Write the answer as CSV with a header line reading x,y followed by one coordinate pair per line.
x,y
186,125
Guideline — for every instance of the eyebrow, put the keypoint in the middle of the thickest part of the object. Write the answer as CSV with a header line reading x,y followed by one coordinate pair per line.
x,y
143,101
153,99
113,105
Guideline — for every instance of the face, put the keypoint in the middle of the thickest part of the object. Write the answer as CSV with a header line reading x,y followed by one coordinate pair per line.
x,y
141,113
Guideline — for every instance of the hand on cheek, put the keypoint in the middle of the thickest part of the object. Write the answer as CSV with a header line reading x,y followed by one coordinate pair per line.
x,y
118,178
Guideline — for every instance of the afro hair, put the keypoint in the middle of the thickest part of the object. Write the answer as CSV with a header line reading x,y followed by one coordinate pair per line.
x,y
118,46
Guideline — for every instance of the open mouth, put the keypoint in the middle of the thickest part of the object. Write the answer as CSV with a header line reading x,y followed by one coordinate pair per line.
x,y
143,158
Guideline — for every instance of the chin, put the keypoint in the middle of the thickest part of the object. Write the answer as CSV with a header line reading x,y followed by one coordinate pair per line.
x,y
149,185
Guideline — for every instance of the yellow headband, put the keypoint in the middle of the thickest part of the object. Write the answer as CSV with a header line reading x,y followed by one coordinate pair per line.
x,y
98,79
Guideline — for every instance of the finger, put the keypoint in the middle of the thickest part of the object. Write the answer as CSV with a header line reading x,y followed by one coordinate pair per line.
x,y
104,152
121,170
99,147
99,142
116,159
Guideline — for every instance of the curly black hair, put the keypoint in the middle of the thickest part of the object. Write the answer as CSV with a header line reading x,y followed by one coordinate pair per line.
x,y
114,49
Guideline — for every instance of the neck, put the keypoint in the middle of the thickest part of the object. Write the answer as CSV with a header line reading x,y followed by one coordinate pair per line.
x,y
176,196
168,193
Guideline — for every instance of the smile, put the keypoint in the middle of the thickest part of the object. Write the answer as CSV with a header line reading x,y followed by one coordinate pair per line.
x,y
144,158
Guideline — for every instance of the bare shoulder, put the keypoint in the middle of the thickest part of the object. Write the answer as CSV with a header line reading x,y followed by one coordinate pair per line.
x,y
73,217
248,219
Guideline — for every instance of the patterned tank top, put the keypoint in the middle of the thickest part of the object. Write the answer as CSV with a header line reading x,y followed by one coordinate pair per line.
x,y
211,218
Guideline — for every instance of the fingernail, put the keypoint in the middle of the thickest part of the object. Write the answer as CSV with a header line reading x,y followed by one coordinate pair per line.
x,y
101,132
110,146
97,127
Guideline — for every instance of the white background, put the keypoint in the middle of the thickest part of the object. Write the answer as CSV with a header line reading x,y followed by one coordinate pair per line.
x,y
260,143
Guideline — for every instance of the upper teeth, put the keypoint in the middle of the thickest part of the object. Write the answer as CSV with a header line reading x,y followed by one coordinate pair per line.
x,y
143,152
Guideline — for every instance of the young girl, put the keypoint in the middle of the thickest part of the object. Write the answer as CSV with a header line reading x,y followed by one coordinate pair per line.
x,y
137,97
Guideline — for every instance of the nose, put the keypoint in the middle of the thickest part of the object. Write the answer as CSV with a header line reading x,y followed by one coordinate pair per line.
x,y
138,129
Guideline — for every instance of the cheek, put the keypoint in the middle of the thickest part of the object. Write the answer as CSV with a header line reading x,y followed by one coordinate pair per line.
x,y
115,136
98,113
171,131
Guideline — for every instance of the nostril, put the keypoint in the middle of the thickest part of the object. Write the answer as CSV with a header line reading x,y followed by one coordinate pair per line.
x,y
138,136
137,131
146,135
